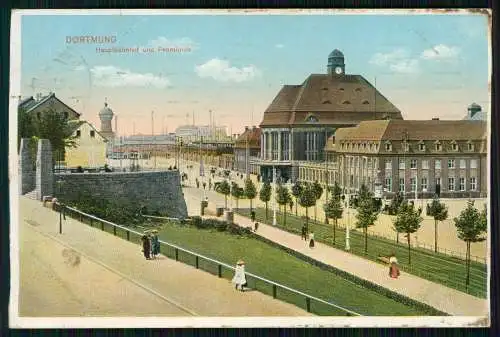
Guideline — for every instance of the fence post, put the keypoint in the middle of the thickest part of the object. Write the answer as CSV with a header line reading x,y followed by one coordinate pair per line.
x,y
128,235
274,290
197,262
102,225
219,267
308,304
91,222
176,254
114,230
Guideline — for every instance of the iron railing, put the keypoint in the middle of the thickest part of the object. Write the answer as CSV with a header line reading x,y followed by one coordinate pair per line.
x,y
278,291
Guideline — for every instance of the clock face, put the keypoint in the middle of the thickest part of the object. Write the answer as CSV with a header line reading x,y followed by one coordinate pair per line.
x,y
338,70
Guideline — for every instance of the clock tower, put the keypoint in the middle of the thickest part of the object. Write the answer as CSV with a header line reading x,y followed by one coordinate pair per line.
x,y
336,65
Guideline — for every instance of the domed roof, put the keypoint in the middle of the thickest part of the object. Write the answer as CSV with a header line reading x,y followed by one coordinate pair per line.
x,y
336,53
106,111
474,106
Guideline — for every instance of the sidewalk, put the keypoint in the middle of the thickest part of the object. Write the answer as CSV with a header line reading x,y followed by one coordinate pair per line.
x,y
438,296
107,261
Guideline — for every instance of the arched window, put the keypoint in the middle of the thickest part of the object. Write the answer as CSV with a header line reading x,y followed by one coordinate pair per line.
x,y
366,102
346,102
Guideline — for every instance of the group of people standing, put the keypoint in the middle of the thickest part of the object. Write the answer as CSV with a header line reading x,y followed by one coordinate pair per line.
x,y
239,278
150,244
308,237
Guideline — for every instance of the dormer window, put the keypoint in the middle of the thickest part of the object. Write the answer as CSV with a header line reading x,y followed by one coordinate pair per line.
x,y
454,146
327,102
364,146
470,146
312,119
92,133
438,146
406,146
366,102
388,146
66,115
358,89
341,89
421,146
346,102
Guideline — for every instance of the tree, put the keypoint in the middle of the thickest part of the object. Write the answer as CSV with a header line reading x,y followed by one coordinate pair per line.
x,y
282,198
54,126
250,191
237,192
25,126
333,210
366,217
471,226
307,199
439,212
265,195
336,191
408,220
363,194
396,202
296,192
223,188
318,192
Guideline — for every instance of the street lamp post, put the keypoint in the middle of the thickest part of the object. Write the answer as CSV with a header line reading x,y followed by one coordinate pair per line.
x,y
347,229
60,183
230,192
274,196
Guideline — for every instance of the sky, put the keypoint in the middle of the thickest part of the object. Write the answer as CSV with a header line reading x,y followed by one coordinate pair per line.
x,y
234,65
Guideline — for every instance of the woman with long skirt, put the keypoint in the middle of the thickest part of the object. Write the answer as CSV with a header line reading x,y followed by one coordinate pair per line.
x,y
393,268
311,240
155,243
239,278
146,246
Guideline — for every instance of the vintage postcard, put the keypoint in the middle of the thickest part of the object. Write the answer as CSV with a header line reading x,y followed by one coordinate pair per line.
x,y
250,168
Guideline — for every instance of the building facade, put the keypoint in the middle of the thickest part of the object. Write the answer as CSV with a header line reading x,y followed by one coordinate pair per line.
x,y
415,158
40,104
301,118
246,150
90,150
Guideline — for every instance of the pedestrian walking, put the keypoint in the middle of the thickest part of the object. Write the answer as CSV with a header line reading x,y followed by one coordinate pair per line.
x,y
252,215
256,226
311,240
146,246
155,244
393,266
304,232
239,278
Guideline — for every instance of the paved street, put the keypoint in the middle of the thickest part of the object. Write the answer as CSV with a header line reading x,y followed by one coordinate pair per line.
x,y
438,296
87,272
448,240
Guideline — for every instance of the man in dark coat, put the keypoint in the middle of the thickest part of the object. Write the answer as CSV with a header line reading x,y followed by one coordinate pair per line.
x,y
146,246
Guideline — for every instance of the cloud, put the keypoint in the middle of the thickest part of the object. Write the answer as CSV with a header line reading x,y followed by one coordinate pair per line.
x,y
110,76
408,66
279,45
221,70
79,68
440,52
398,61
184,42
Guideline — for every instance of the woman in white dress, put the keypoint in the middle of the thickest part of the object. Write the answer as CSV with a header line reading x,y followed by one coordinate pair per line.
x,y
239,278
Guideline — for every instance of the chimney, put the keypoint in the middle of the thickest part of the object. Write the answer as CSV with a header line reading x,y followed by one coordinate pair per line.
x,y
435,119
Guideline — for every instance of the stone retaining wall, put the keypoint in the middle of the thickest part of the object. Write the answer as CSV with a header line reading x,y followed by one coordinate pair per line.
x,y
159,191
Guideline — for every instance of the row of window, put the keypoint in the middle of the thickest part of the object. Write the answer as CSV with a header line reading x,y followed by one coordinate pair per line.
x,y
388,146
437,164
79,133
452,184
